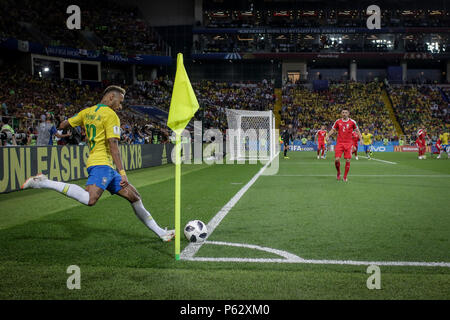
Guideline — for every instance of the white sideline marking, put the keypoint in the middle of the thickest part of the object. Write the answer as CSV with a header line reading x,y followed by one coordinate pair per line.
x,y
191,249
291,258
390,162
368,175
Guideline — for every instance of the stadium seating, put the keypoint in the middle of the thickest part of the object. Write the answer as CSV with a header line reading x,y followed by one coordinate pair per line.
x,y
25,100
307,110
112,29
420,107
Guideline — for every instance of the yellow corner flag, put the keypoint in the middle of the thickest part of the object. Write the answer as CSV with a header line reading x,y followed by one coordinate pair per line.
x,y
183,106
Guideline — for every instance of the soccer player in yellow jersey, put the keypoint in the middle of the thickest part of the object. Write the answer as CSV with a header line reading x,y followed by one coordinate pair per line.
x,y
444,143
102,127
367,142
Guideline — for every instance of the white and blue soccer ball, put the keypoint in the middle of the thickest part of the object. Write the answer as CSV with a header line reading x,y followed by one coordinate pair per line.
x,y
195,231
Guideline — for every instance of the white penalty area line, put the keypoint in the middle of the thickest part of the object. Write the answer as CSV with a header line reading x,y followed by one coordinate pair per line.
x,y
287,257
384,161
192,248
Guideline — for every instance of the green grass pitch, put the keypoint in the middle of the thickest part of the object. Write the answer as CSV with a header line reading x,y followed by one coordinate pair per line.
x,y
395,211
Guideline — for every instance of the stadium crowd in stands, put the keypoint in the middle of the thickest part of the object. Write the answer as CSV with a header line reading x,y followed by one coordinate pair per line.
x,y
421,107
215,97
28,103
307,110
107,26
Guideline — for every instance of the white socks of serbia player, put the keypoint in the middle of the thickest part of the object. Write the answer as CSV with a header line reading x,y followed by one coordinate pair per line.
x,y
146,218
71,190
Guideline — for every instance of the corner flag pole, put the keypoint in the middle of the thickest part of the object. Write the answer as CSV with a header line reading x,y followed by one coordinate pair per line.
x,y
183,107
177,195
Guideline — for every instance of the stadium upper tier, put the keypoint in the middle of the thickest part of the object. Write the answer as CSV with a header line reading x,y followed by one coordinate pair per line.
x,y
107,26
322,30
320,16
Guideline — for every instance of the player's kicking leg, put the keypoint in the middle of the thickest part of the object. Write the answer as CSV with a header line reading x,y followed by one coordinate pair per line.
x,y
132,195
92,193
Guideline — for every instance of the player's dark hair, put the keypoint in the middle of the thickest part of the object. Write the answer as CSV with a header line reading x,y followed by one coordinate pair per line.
x,y
345,109
114,89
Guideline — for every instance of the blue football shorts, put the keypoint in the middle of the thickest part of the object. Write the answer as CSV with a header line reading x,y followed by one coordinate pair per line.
x,y
105,178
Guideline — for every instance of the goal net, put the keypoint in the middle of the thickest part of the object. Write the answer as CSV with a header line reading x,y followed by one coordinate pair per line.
x,y
250,135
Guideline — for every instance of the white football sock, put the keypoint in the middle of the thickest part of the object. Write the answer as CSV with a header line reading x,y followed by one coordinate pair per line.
x,y
71,190
146,218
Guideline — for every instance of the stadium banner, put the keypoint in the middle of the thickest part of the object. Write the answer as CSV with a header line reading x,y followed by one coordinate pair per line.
x,y
378,148
83,54
409,149
318,30
297,145
319,56
66,163
302,148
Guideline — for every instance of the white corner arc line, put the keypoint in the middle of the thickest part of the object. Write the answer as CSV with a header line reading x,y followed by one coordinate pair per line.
x,y
291,258
286,255
192,248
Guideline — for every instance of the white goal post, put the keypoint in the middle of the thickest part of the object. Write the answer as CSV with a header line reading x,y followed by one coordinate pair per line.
x,y
251,135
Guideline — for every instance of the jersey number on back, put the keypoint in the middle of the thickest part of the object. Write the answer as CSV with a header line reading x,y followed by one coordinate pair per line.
x,y
91,132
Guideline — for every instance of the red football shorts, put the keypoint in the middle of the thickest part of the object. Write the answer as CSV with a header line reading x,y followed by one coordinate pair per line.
x,y
321,146
422,150
345,148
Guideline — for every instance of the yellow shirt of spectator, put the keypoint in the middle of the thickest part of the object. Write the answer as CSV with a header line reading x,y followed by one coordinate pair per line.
x,y
444,138
367,138
101,123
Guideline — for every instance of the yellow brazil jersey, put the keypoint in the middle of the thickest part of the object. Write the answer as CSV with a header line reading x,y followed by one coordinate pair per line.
x,y
101,123
444,138
367,138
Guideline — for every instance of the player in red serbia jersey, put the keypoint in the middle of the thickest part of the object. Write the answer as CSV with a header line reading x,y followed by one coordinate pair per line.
x,y
320,141
344,128
355,139
421,144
